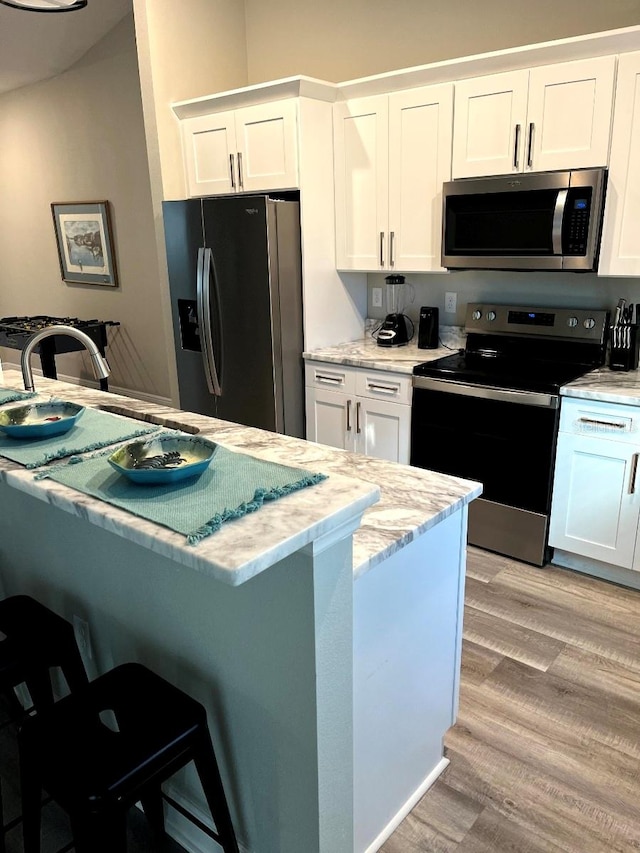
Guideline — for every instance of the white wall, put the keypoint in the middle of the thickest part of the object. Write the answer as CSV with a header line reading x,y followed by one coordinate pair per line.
x,y
80,137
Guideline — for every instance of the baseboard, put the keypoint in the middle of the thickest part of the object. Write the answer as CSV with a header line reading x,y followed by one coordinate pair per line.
x,y
596,568
410,804
114,389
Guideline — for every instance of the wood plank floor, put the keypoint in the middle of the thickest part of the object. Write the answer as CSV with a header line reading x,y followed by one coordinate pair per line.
x,y
545,755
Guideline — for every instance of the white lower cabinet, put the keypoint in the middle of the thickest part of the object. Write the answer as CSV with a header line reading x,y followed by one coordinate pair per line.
x,y
364,411
596,503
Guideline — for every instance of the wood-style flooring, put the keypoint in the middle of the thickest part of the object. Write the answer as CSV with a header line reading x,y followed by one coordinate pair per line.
x,y
545,755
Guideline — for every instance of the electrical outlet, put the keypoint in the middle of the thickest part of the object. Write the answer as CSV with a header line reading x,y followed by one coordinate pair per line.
x,y
376,297
450,302
83,637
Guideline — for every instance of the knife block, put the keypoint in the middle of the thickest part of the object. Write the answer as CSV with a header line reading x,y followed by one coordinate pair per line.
x,y
623,357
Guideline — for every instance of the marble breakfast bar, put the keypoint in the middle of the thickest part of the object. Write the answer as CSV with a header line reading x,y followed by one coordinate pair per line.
x,y
323,632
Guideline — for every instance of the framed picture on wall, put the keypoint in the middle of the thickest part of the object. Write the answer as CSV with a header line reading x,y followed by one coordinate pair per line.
x,y
85,244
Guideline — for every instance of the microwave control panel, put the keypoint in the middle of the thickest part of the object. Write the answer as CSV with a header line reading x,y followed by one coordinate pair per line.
x,y
575,229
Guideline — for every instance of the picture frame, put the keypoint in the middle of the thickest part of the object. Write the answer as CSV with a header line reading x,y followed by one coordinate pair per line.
x,y
85,243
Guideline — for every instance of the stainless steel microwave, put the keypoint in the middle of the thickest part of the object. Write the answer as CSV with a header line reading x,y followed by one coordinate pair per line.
x,y
535,221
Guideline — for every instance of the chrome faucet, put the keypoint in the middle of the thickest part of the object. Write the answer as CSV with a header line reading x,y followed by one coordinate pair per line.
x,y
100,366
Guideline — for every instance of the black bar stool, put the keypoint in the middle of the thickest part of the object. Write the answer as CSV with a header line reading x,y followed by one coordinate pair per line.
x,y
34,639
109,745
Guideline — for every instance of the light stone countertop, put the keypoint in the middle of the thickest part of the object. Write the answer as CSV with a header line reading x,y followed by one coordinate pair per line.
x,y
606,386
400,503
366,353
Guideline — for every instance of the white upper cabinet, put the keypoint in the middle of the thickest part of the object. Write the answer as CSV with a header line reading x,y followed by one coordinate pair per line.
x,y
544,119
620,252
245,150
392,155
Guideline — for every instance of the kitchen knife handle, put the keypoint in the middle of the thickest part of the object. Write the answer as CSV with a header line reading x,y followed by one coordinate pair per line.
x,y
516,153
348,415
530,152
232,170
634,471
382,248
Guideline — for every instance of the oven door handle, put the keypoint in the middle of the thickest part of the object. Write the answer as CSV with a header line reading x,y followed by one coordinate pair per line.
x,y
524,398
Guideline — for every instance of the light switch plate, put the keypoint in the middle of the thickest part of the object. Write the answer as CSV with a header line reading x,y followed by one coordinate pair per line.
x,y
376,297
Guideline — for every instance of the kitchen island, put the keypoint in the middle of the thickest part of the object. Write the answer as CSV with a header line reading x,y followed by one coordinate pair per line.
x,y
328,699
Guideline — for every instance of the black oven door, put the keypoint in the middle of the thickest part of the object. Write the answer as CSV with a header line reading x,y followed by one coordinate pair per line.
x,y
505,440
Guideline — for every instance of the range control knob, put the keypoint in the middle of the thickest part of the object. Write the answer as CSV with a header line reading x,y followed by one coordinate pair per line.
x,y
572,322
477,314
491,315
589,323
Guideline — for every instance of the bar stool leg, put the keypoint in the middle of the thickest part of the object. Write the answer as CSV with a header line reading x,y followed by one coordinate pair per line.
x,y
207,767
2,843
31,792
152,805
104,832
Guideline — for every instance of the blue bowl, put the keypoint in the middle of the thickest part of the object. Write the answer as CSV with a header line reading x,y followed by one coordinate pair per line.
x,y
39,420
167,459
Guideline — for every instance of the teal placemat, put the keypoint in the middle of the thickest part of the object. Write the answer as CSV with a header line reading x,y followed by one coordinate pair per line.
x,y
9,395
233,485
93,429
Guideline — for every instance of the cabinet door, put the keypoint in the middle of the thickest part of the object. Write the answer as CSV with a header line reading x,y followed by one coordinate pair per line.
x,y
361,188
267,146
489,125
420,133
595,507
620,253
330,418
569,114
383,429
208,143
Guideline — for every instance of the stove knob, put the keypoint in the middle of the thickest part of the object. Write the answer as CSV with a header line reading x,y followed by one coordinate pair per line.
x,y
477,314
589,323
572,322
491,315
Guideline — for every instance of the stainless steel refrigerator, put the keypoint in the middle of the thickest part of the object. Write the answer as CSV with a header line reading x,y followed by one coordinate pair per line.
x,y
236,299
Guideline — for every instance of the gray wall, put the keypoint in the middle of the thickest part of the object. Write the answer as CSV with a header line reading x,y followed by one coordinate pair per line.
x,y
80,137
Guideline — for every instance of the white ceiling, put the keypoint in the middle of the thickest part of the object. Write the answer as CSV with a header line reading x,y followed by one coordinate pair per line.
x,y
37,45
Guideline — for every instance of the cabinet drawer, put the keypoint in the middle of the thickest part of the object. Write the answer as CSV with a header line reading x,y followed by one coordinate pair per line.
x,y
321,374
596,419
384,386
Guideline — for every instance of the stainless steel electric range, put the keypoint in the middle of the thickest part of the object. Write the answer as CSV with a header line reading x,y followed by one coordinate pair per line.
x,y
490,413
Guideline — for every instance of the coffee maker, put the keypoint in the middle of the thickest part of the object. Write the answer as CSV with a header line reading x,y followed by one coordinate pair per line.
x,y
396,329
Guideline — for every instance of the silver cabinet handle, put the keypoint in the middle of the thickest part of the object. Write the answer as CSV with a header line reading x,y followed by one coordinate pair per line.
x,y
332,380
634,470
530,153
601,423
384,389
358,430
516,153
382,248
392,248
240,175
232,170
348,415
203,297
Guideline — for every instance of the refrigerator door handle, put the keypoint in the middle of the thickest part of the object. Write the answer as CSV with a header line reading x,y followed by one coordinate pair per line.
x,y
203,278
